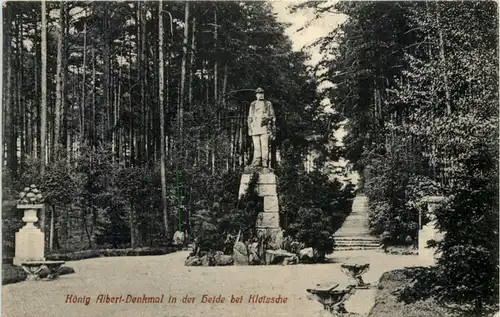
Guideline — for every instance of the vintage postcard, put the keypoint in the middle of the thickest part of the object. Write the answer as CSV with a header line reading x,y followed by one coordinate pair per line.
x,y
250,158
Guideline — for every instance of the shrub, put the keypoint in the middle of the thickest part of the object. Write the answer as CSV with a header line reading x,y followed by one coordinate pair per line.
x,y
15,274
313,228
228,214
88,254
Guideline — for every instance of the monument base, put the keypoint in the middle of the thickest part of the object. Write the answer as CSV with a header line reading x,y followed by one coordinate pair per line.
x,y
268,219
275,237
30,245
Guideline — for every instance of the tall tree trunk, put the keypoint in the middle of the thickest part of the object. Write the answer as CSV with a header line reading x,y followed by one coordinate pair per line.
x,y
183,78
35,128
84,76
66,115
5,92
20,100
118,110
226,118
94,114
132,225
216,99
43,105
9,108
51,232
216,63
143,70
106,71
59,109
132,125
443,60
59,82
161,84
191,64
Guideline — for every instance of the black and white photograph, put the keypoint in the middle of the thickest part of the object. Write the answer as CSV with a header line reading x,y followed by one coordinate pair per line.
x,y
250,158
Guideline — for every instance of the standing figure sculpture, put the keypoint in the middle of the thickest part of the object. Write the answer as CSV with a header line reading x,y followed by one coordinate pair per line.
x,y
261,126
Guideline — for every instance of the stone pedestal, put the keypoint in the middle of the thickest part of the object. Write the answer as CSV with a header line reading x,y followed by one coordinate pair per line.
x,y
429,231
268,221
30,242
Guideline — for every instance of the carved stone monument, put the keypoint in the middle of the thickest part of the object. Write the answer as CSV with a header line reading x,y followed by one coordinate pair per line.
x,y
429,231
261,121
30,242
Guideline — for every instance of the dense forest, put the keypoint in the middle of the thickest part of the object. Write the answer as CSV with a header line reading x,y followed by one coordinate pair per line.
x,y
131,118
417,83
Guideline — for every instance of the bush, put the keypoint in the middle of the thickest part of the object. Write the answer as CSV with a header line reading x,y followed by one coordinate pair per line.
x,y
227,215
87,254
315,190
313,228
15,274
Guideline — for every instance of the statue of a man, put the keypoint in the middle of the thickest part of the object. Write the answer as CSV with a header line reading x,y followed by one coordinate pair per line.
x,y
261,126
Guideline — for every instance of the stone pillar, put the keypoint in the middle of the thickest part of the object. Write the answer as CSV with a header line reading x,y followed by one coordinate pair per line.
x,y
429,231
268,221
30,242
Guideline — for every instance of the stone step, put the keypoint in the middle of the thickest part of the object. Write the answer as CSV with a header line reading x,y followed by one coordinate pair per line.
x,y
349,235
355,248
361,245
359,229
355,238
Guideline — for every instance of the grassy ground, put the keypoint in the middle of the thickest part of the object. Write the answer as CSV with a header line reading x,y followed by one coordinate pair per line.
x,y
14,274
386,303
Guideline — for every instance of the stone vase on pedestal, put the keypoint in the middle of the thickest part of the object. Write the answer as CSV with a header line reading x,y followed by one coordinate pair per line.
x,y
30,242
430,231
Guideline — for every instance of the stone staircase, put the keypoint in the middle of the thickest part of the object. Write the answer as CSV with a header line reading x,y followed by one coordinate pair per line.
x,y
354,233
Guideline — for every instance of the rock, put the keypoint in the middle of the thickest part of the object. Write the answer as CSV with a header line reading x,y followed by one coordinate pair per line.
x,y
222,260
291,260
278,256
44,272
296,246
286,244
192,261
240,254
276,240
66,270
319,256
306,255
205,260
178,238
253,256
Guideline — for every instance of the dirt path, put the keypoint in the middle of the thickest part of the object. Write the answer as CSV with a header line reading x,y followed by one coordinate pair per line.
x,y
167,275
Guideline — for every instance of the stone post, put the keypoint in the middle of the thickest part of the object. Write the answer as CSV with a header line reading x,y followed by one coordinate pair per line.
x,y
30,241
429,231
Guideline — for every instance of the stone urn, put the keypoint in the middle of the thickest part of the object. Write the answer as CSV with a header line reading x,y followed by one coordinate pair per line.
x,y
30,242
355,271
